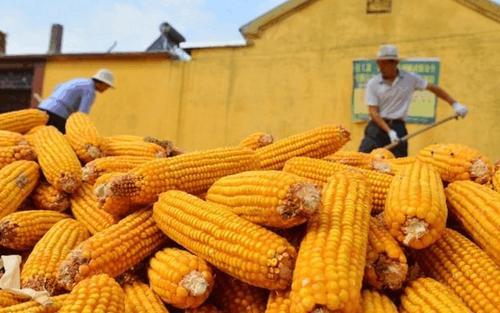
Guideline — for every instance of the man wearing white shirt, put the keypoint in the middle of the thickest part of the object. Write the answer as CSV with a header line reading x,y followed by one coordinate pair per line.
x,y
76,95
388,96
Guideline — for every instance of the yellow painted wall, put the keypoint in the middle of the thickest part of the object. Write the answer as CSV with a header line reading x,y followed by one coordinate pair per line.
x,y
298,75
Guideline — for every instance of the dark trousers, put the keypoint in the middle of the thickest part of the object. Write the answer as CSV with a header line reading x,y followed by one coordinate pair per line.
x,y
376,137
57,121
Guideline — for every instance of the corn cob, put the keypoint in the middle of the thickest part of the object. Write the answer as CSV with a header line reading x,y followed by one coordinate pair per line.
x,y
8,299
496,180
235,296
8,138
278,302
386,265
329,270
17,181
22,230
139,298
478,209
458,162
204,308
119,147
458,263
236,246
115,206
395,166
319,171
84,137
96,294
270,198
22,121
374,302
35,307
47,197
415,211
85,208
10,154
430,296
257,140
113,250
315,143
41,267
192,172
180,278
58,161
382,154
94,169
170,148
352,158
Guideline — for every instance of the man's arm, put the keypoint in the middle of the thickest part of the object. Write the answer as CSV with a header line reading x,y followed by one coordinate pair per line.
x,y
460,109
86,102
375,116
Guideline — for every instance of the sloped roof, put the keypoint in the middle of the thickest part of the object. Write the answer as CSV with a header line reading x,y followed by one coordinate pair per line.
x,y
253,29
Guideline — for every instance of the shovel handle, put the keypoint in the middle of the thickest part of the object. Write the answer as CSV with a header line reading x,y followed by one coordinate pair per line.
x,y
405,138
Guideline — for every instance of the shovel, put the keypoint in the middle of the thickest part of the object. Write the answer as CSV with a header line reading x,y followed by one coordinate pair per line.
x,y
405,138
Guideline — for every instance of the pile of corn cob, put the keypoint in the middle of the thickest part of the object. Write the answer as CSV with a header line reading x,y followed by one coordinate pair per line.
x,y
133,224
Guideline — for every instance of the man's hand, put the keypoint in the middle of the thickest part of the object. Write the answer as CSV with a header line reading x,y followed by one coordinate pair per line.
x,y
393,136
460,109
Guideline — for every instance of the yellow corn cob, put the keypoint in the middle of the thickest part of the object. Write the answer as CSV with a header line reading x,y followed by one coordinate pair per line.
x,y
83,136
415,211
115,206
386,265
496,181
180,278
17,181
96,294
58,161
319,171
257,140
170,148
47,197
41,268
10,154
22,230
236,246
113,250
192,172
94,169
315,143
85,208
35,307
374,302
117,147
278,302
270,198
477,207
235,296
22,121
394,166
329,271
458,162
8,138
139,298
458,263
382,154
205,308
352,158
8,299
430,296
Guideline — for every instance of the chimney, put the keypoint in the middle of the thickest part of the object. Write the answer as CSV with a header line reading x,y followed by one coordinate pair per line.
x,y
3,46
55,43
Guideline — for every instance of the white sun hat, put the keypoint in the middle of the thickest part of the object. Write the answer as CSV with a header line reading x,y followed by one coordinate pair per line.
x,y
105,76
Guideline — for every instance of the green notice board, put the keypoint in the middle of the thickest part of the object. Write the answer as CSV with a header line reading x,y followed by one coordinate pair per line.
x,y
423,104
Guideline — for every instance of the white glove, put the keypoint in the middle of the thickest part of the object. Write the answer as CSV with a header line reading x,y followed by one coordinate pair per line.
x,y
460,109
393,136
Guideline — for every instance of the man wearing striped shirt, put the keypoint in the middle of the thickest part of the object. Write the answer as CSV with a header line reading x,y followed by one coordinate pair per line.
x,y
76,95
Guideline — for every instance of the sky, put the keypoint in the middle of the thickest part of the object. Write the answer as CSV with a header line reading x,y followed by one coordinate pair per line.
x,y
93,25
